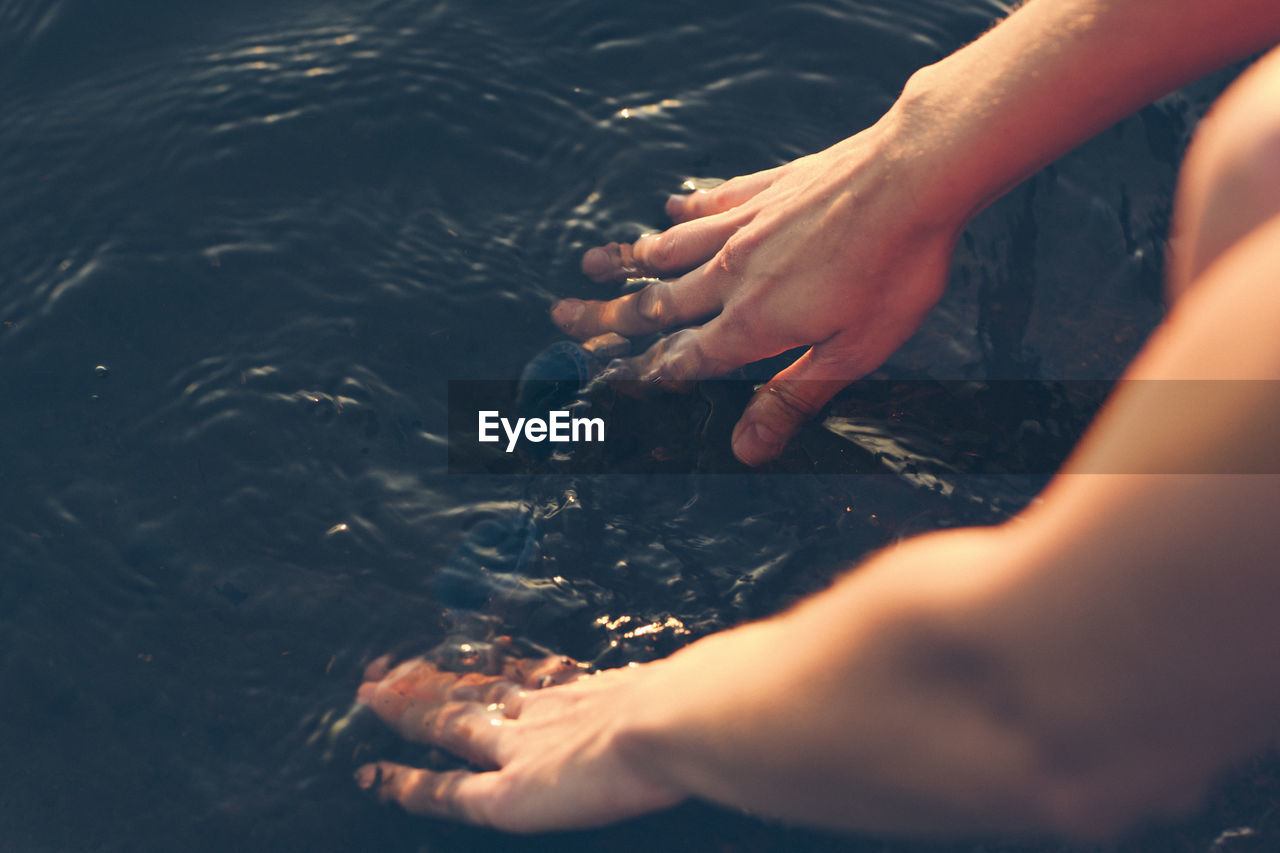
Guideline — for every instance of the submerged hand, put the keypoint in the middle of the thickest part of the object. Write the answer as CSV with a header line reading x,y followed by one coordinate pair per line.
x,y
542,731
842,251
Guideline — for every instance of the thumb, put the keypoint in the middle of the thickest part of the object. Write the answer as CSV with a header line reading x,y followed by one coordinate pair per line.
x,y
786,401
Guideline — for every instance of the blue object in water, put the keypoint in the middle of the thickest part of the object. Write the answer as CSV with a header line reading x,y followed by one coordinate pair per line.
x,y
554,378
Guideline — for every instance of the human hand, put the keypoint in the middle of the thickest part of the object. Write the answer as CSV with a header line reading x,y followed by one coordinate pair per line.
x,y
844,251
542,730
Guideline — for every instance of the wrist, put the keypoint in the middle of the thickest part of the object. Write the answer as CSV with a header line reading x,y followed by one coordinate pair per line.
x,y
954,169
694,717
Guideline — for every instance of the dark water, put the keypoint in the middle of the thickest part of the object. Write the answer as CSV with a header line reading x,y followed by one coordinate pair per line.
x,y
245,246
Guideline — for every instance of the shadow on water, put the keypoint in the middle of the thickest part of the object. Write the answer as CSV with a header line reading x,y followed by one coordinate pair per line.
x,y
247,248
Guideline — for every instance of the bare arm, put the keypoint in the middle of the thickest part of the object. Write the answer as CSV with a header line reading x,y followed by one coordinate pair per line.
x,y
846,250
1096,660
1089,664
1055,73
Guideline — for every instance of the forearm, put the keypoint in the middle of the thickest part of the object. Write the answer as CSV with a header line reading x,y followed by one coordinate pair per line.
x,y
1139,611
1085,666
1090,664
1053,74
865,708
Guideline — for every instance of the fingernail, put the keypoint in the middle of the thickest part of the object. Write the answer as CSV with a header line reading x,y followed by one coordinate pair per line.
x,y
597,263
755,443
567,312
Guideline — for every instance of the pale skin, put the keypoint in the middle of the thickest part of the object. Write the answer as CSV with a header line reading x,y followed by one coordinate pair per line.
x,y
1089,664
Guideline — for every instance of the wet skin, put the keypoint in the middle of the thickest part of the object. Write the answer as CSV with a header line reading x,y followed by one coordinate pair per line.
x,y
538,734
765,264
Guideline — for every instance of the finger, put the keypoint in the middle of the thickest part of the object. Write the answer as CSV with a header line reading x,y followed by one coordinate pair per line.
x,y
456,795
786,401
608,345
483,689
378,668
730,194
658,305
611,262
466,729
416,688
413,679
675,250
468,726
713,349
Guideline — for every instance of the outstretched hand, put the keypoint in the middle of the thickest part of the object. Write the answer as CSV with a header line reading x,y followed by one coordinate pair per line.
x,y
540,734
843,251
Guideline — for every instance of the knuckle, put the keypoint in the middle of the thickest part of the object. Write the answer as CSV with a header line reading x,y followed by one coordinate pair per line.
x,y
696,204
677,357
734,258
514,700
496,692
731,189
725,189
683,358
659,251
496,809
653,303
